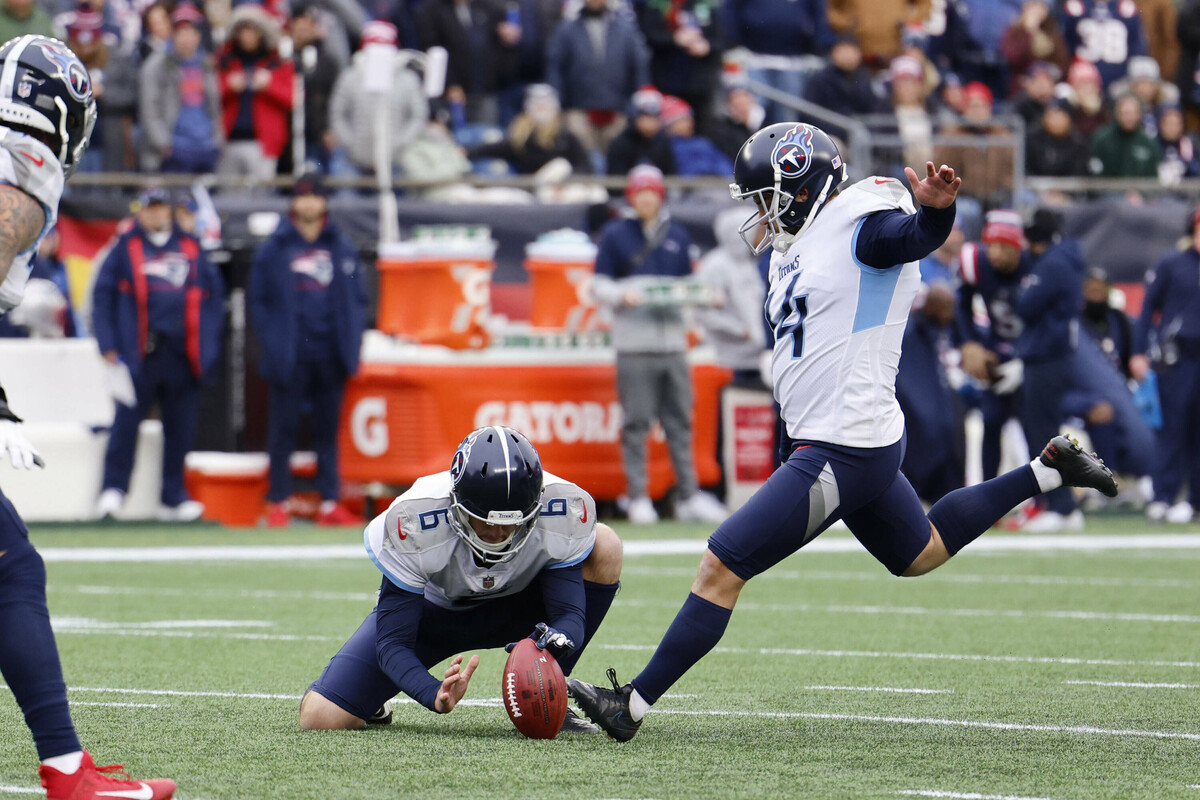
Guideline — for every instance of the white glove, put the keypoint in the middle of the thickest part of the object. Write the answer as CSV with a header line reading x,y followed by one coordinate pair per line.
x,y
1009,376
20,451
120,383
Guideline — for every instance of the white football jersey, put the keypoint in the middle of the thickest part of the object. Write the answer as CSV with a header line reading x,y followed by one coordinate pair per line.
x,y
415,547
839,324
32,167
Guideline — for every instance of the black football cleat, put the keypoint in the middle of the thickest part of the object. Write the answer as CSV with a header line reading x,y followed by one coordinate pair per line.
x,y
1078,468
573,723
383,716
608,708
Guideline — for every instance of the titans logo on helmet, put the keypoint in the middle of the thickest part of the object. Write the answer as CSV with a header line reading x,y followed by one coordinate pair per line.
x,y
459,462
794,152
73,73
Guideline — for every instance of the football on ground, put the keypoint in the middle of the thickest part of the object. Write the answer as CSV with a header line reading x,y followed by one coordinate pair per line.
x,y
534,691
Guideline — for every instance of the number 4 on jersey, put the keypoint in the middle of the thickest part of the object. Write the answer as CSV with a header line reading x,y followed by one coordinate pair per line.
x,y
791,319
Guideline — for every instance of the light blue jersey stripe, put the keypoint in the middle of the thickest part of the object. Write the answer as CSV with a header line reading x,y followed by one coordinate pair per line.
x,y
876,288
572,562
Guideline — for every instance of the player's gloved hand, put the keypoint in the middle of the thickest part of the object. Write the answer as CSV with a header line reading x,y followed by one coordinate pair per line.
x,y
20,450
547,638
1009,376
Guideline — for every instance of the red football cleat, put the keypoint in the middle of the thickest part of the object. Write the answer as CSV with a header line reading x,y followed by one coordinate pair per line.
x,y
338,515
90,782
277,515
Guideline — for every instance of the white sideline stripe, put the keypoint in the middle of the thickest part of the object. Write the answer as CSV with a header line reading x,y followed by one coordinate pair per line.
x,y
966,795
154,625
1102,616
650,547
935,577
254,637
254,594
895,689
768,651
115,705
21,790
1135,684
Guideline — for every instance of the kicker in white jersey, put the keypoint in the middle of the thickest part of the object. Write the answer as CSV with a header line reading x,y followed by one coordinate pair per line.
x,y
414,545
839,324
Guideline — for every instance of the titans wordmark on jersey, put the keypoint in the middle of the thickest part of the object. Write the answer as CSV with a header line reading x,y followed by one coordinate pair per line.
x,y
414,545
839,323
30,166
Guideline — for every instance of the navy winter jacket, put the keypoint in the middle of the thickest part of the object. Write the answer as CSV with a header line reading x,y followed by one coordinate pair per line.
x,y
273,303
1051,302
121,307
587,80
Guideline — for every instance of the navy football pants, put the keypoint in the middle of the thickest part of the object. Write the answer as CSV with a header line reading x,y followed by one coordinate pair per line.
x,y
354,682
818,485
1179,441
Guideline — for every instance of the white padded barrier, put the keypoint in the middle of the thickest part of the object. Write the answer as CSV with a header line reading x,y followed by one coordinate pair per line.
x,y
57,386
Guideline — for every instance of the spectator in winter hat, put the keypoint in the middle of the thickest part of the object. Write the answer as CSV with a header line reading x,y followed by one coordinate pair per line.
x,y
643,141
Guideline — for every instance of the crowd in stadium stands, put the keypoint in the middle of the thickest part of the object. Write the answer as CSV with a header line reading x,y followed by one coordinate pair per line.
x,y
1103,87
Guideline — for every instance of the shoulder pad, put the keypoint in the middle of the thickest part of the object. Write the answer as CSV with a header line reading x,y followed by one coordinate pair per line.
x,y
419,519
567,520
880,194
31,166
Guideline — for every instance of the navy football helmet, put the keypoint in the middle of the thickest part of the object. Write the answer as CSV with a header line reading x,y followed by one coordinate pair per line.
x,y
497,477
45,88
773,167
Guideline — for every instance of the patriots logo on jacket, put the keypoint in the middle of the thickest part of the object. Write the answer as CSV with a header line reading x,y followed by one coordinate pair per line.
x,y
171,268
794,152
315,265
73,73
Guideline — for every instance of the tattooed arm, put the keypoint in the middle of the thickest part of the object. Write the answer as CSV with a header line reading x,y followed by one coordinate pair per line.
x,y
21,220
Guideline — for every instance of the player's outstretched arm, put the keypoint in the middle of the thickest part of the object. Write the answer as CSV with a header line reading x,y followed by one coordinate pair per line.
x,y
455,685
939,187
21,220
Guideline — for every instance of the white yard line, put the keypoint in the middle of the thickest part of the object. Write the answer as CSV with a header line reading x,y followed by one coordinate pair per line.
x,y
881,575
115,705
961,723
648,547
1104,662
965,795
1135,684
161,624
995,613
893,689
21,790
252,637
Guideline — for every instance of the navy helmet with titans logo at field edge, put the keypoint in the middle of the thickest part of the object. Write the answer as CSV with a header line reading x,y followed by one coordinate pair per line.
x,y
497,479
773,168
45,91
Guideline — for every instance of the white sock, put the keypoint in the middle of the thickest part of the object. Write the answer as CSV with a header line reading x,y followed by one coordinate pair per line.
x,y
66,764
637,706
1048,478
327,506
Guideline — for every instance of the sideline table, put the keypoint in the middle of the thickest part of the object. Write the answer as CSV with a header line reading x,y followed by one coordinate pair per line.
x,y
410,406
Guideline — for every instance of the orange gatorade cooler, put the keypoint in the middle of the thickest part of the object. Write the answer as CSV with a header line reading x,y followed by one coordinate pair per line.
x,y
437,290
232,486
560,270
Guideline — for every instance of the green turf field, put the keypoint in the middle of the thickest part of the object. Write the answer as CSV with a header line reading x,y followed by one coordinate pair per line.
x,y
1045,674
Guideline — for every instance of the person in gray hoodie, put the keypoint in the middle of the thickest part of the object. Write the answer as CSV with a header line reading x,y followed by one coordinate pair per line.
x,y
180,107
640,261
734,326
352,108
